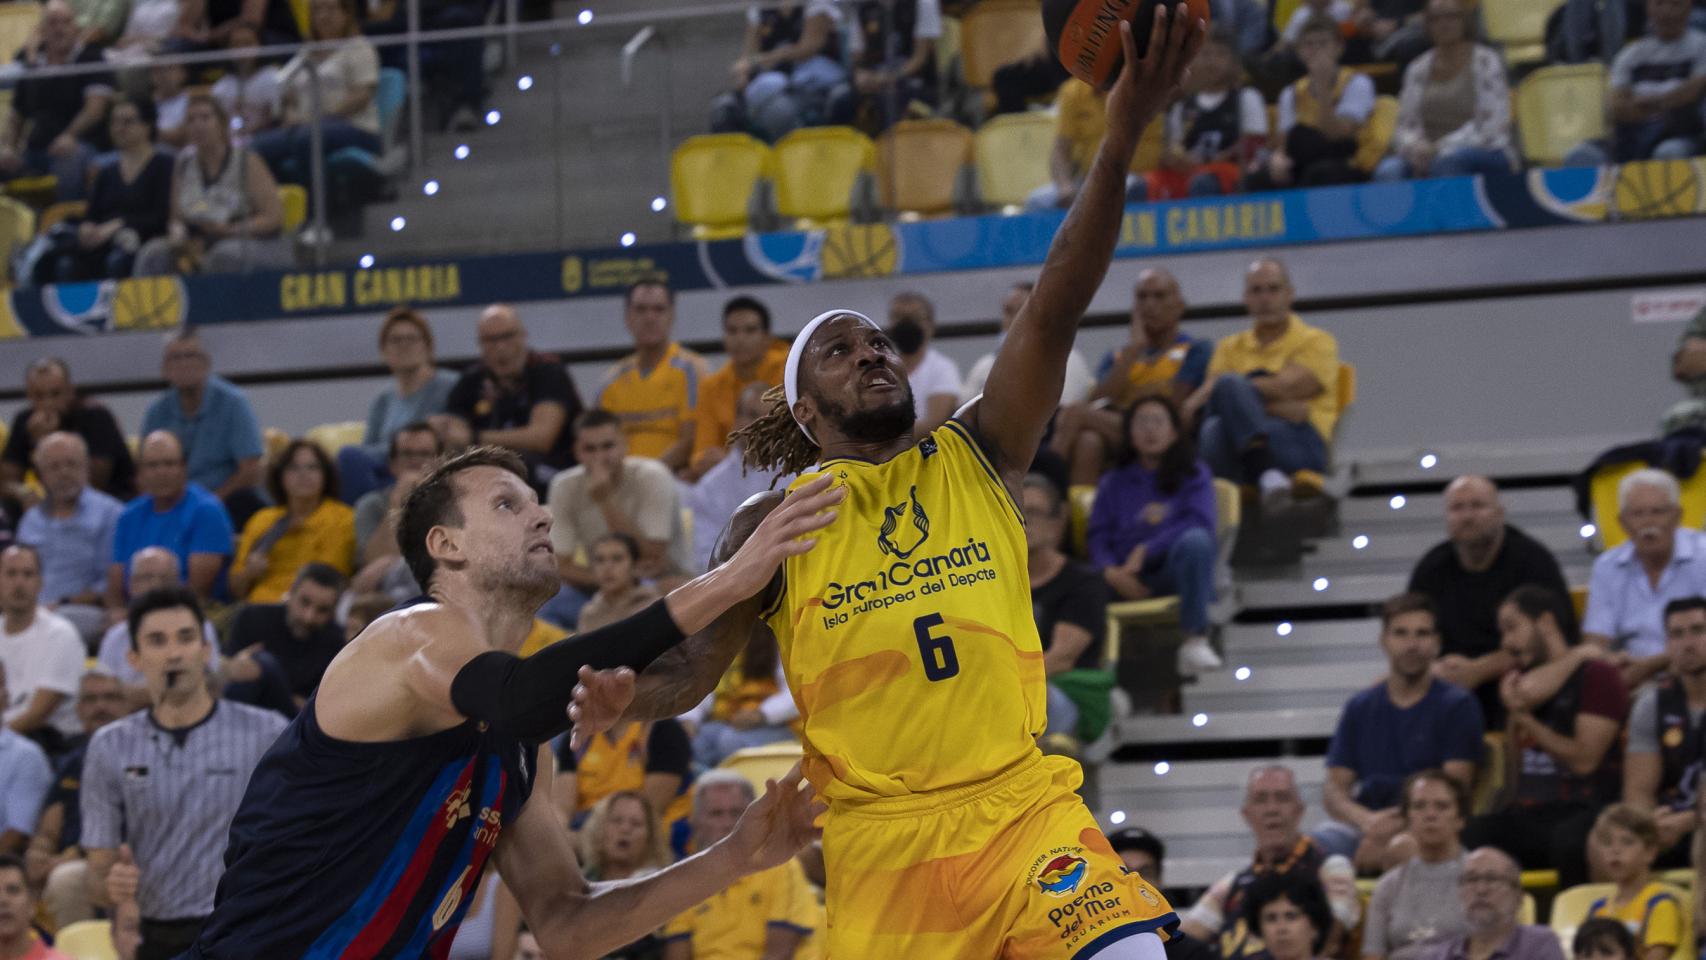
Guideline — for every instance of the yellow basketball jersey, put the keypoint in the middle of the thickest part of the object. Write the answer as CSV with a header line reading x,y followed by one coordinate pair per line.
x,y
906,634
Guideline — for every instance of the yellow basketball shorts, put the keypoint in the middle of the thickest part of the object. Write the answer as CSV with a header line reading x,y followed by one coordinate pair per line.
x,y
1013,868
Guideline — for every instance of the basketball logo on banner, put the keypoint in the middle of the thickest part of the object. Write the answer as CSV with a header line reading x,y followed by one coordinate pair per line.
x,y
1651,189
856,250
149,303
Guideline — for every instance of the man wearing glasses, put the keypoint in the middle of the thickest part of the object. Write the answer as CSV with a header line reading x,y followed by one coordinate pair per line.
x,y
1490,889
515,398
214,423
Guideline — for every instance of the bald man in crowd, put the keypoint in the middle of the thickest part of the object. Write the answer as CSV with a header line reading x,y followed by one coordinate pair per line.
x,y
1482,559
515,398
150,569
172,512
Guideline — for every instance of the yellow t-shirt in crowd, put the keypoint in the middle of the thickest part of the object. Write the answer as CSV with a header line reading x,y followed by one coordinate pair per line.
x,y
733,924
327,536
1309,347
653,406
1081,119
1654,916
721,391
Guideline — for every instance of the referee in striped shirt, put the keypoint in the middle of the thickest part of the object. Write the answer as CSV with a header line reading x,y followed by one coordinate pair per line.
x,y
160,786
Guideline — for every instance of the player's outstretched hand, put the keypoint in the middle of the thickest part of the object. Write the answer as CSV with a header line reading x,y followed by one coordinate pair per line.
x,y
783,534
1146,86
777,825
600,699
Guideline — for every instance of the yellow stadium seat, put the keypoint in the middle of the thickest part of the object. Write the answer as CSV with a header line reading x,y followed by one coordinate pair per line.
x,y
1539,879
1570,909
1559,107
712,177
1376,135
1012,153
995,33
1519,26
86,940
294,199
333,437
273,441
1527,913
59,213
919,164
1283,9
17,22
17,227
1228,513
815,170
1079,499
758,764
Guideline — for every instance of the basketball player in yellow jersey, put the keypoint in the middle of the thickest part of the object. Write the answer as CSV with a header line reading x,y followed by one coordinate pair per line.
x,y
907,634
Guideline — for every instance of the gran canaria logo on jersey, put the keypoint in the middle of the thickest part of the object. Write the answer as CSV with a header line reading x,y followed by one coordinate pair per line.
x,y
904,531
913,573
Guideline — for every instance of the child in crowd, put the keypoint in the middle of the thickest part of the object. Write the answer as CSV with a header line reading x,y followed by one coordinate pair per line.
x,y
1624,841
620,593
1215,131
1603,938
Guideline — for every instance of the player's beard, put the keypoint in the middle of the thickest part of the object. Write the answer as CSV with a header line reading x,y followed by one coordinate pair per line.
x,y
877,425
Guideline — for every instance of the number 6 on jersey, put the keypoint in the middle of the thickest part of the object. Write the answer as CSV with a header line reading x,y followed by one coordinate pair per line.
x,y
940,661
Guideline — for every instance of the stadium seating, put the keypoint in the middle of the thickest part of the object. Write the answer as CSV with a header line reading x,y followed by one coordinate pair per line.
x,y
17,22
758,764
1376,136
816,170
1519,27
997,32
1570,909
919,166
712,178
86,940
1557,108
1012,155
59,213
1228,510
333,437
17,227
294,200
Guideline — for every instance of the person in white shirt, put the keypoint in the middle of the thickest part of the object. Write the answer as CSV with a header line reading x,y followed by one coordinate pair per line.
x,y
789,63
934,378
724,487
41,652
250,89
1079,379
348,76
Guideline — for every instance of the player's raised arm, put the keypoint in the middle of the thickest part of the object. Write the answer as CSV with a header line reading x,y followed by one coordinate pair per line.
x,y
1024,385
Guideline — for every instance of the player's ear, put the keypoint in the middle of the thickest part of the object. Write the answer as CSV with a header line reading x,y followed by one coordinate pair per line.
x,y
444,544
805,413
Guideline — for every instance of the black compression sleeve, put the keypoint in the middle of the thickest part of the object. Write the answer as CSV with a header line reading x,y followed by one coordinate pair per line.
x,y
529,699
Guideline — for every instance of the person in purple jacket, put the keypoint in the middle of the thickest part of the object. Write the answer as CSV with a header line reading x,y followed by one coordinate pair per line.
x,y
1152,527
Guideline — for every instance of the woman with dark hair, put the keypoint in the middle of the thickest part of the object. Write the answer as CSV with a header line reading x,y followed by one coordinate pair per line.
x,y
419,391
620,593
1290,913
1152,526
129,202
348,75
1416,904
307,525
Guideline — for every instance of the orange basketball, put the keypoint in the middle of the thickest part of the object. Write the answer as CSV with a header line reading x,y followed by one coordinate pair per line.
x,y
1085,34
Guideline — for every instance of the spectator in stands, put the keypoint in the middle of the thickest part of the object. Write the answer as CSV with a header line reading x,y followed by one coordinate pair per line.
x,y
25,778
1415,904
419,392
1468,575
720,492
1687,367
1454,112
1153,522
1667,739
789,65
213,420
1141,851
52,404
55,859
72,531
17,910
770,914
348,75
152,27
1031,79
622,838
129,202
1158,359
1340,12
1603,938
1080,121
100,22
1490,888
292,642
1268,401
54,126
1656,97
1321,116
750,707
453,70
41,650
1568,757
1409,722
1291,915
167,85
754,357
308,525
1078,381
273,20
935,379
151,568
226,214
1216,134
514,398
249,89
611,490
653,759
174,513
1070,602
654,391
1634,580
412,450
1274,810
1624,842
155,831
893,48
615,556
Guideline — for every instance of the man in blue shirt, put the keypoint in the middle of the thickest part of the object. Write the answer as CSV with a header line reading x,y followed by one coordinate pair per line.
x,y
72,531
1411,721
172,513
24,781
213,421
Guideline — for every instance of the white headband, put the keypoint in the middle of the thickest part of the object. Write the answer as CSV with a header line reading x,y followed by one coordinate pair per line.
x,y
791,372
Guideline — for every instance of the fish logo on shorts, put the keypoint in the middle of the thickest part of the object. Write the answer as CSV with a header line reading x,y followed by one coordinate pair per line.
x,y
1063,875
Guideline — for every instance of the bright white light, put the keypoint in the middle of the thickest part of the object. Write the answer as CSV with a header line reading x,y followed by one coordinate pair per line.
x,y
524,82
1242,673
398,223
658,203
1428,461
1117,817
1397,501
585,17
1320,584
1284,629
492,118
1359,542
1199,720
628,239
461,151
366,260
1588,530
430,188
1162,767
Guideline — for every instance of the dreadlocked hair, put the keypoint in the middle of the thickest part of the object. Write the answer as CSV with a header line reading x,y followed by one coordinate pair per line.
x,y
774,441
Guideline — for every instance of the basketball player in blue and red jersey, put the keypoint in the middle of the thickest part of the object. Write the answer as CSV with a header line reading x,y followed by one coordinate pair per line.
x,y
367,825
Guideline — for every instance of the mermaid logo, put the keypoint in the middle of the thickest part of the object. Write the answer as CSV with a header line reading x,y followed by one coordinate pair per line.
x,y
896,538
